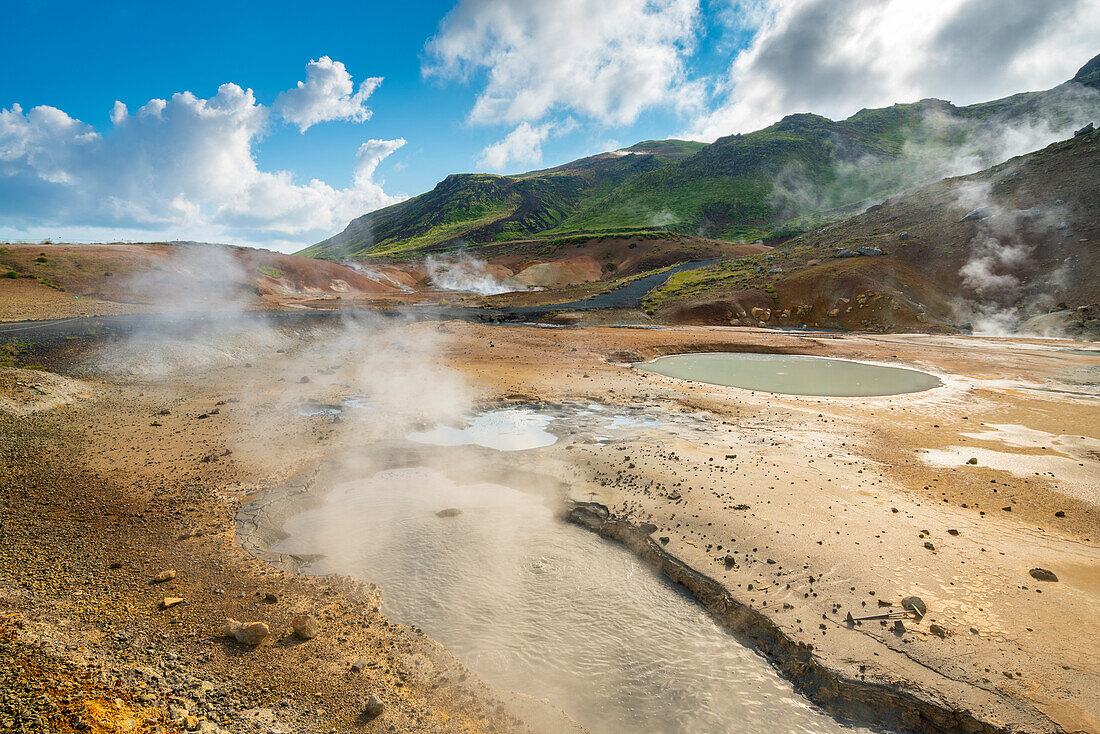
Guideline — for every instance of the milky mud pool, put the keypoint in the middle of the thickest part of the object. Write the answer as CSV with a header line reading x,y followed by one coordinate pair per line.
x,y
792,374
545,608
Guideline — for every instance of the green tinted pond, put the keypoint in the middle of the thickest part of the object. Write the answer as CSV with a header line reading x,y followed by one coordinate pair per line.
x,y
792,374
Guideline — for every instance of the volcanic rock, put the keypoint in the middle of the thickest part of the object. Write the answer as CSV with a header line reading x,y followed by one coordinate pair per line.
x,y
374,707
247,633
305,626
1041,574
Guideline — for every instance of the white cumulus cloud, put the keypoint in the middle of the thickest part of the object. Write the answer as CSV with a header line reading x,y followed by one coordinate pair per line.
x,y
602,59
522,145
833,57
328,93
180,168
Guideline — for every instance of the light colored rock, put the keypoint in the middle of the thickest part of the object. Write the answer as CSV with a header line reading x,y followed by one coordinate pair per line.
x,y
170,601
305,626
164,576
763,314
247,633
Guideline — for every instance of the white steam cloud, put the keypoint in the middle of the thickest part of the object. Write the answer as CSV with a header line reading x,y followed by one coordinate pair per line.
x,y
466,273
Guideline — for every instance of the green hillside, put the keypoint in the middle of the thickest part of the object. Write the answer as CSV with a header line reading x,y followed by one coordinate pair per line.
x,y
801,171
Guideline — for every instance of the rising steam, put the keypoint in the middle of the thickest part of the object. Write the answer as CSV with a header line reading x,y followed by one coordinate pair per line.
x,y
464,272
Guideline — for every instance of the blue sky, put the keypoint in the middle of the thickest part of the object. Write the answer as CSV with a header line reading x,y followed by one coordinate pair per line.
x,y
496,85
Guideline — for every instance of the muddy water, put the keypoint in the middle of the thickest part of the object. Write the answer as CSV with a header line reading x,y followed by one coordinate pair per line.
x,y
792,374
504,430
541,607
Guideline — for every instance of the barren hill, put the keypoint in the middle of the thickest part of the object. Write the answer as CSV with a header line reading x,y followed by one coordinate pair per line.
x,y
989,250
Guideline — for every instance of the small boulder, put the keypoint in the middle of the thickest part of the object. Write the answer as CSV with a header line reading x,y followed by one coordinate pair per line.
x,y
978,215
1041,574
359,665
170,601
374,707
973,461
247,633
1084,131
163,576
845,252
870,251
914,604
305,626
449,512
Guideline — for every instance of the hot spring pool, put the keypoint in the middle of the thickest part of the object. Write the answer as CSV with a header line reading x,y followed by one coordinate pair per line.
x,y
532,604
792,374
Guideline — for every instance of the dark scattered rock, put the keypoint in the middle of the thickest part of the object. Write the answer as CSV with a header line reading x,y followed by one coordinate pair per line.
x,y
929,546
664,539
973,460
1060,513
903,235
449,512
730,561
1041,574
1085,130
270,598
952,531
303,380
978,215
914,604
359,665
374,707
937,630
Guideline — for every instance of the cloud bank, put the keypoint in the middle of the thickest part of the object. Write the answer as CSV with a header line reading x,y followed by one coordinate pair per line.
x,y
601,60
834,57
183,168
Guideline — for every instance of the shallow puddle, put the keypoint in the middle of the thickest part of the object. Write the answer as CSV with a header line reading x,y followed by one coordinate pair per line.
x,y
513,429
544,608
791,374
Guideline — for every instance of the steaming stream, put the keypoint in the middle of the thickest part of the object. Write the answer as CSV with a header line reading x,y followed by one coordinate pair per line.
x,y
534,605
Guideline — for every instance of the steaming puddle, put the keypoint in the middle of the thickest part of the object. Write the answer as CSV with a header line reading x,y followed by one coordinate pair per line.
x,y
309,410
312,409
504,430
792,374
544,608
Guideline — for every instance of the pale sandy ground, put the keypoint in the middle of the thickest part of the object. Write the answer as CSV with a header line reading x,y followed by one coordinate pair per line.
x,y
842,494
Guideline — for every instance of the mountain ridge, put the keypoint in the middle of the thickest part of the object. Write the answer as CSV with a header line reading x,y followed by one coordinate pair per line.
x,y
782,179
